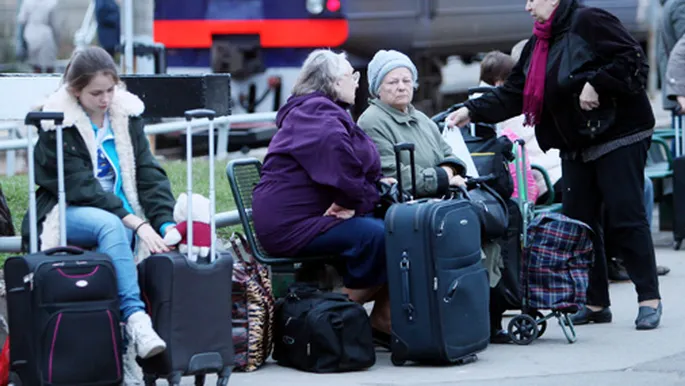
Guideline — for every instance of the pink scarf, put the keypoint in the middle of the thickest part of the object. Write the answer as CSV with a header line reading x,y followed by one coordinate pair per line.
x,y
534,91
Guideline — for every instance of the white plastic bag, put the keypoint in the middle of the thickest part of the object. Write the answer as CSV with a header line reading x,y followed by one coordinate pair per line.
x,y
454,138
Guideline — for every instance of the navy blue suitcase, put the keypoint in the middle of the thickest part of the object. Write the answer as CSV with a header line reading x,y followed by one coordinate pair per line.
x,y
439,289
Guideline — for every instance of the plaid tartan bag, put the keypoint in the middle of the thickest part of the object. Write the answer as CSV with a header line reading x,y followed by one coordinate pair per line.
x,y
253,308
556,262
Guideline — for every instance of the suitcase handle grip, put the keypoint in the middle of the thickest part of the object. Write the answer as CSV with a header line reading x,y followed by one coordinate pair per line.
x,y
200,113
398,148
34,117
190,115
69,250
403,146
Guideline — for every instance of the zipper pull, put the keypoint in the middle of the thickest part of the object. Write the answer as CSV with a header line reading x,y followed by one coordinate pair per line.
x,y
435,283
309,349
28,279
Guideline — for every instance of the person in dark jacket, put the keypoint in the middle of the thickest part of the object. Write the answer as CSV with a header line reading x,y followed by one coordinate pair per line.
x,y
109,21
115,189
319,180
581,82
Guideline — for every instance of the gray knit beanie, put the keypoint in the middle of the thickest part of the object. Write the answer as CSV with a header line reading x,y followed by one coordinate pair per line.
x,y
384,62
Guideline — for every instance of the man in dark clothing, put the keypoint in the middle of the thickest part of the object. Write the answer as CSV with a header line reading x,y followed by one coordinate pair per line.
x,y
108,19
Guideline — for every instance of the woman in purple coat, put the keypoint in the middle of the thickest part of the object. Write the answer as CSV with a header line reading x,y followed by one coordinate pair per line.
x,y
318,184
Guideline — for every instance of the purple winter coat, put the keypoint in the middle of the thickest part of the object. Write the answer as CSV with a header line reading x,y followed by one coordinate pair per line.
x,y
318,156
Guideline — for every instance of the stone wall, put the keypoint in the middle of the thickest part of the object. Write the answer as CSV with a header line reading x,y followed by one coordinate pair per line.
x,y
70,15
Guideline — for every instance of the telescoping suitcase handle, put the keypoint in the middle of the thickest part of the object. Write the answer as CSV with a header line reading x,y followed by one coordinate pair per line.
x,y
33,119
677,120
399,148
190,115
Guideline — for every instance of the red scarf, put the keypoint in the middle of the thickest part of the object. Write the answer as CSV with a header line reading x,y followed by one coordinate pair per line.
x,y
534,91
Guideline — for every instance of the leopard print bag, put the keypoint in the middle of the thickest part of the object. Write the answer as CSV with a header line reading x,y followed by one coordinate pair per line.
x,y
253,308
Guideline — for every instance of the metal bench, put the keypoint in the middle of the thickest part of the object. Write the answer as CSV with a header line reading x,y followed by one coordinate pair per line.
x,y
243,175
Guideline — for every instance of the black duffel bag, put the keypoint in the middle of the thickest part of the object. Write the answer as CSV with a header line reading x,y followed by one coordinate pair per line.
x,y
491,209
322,332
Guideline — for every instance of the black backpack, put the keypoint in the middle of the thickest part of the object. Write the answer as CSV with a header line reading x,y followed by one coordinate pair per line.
x,y
6,225
491,155
321,332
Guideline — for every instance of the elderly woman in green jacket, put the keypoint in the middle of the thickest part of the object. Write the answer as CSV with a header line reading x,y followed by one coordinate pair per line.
x,y
391,118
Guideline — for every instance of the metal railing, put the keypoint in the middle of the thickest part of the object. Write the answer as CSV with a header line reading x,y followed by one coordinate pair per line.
x,y
12,244
223,125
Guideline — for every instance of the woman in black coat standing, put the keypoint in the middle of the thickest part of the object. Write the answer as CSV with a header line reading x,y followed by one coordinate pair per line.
x,y
581,82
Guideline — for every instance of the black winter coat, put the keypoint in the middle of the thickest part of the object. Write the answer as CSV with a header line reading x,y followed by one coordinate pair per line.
x,y
587,45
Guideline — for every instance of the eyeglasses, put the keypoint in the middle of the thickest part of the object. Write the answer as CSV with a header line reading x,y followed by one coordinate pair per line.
x,y
355,76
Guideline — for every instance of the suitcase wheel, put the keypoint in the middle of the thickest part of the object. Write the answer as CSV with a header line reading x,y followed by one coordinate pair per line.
x,y
523,329
14,380
223,381
677,244
468,359
175,379
397,361
150,380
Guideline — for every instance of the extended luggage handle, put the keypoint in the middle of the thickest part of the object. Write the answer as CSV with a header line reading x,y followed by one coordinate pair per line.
x,y
399,148
34,118
677,121
190,115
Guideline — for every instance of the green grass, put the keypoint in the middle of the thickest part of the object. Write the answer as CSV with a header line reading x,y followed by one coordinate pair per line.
x,y
16,191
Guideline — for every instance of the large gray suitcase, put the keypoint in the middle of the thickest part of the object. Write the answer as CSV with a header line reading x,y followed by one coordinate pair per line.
x,y
190,302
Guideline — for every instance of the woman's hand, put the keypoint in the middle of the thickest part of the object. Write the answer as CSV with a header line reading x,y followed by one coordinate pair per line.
x,y
449,171
681,102
338,211
458,118
458,181
152,239
389,180
589,99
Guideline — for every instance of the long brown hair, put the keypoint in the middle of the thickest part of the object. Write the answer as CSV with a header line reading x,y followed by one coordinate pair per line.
x,y
85,64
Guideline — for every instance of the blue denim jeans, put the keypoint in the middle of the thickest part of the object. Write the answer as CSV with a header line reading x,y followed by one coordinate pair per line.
x,y
92,227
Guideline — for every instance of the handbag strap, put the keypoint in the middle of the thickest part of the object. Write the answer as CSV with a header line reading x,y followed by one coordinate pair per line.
x,y
242,248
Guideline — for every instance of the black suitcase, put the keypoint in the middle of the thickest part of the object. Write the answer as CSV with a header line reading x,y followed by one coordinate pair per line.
x,y
190,302
439,291
62,304
679,182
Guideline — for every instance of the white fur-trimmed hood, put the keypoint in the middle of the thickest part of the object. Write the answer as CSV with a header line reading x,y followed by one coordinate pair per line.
x,y
124,105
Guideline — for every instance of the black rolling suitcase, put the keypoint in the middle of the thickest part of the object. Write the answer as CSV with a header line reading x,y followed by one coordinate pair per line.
x,y
190,302
439,291
679,182
62,303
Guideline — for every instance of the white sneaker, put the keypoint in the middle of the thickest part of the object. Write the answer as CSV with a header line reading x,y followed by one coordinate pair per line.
x,y
140,332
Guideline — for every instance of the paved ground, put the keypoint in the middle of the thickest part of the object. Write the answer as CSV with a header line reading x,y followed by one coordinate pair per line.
x,y
613,354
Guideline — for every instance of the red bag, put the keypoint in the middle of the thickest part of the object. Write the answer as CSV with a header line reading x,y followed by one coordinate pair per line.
x,y
5,363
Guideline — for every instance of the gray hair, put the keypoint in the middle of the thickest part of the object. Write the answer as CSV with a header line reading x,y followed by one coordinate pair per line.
x,y
320,71
518,49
